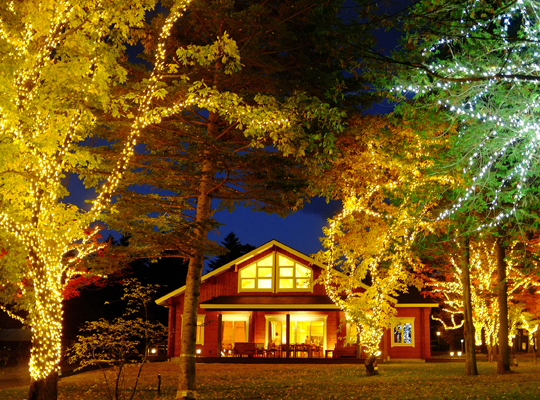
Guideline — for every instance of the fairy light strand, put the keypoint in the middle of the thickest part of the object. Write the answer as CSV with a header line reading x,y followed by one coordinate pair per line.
x,y
508,129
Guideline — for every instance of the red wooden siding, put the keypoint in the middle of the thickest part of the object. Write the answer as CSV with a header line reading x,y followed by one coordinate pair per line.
x,y
226,284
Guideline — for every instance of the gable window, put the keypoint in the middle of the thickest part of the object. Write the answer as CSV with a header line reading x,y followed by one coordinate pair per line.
x,y
403,333
258,276
293,276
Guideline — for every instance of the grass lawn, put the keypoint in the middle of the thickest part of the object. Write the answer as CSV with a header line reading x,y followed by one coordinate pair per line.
x,y
247,381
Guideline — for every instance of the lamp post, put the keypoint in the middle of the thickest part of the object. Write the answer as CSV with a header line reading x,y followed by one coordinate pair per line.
x,y
438,341
462,345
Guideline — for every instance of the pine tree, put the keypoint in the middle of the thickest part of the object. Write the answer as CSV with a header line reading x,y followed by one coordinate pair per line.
x,y
234,249
265,105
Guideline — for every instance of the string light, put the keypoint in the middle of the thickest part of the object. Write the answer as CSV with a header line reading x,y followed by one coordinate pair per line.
x,y
467,88
56,236
485,305
373,308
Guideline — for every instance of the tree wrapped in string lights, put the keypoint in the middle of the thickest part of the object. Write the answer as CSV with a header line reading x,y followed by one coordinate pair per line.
x,y
477,60
387,199
60,61
522,289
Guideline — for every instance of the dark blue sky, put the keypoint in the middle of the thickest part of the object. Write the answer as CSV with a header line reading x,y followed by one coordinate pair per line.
x,y
300,230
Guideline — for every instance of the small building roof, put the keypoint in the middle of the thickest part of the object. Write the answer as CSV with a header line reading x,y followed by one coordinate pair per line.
x,y
413,298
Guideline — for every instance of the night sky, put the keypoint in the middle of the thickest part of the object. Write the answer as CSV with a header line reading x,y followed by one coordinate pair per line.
x,y
300,230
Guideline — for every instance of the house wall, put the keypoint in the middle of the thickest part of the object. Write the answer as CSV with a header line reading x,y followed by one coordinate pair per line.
x,y
334,333
226,284
257,328
421,348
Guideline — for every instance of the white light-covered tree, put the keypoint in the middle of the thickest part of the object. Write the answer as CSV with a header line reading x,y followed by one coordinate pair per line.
x,y
476,61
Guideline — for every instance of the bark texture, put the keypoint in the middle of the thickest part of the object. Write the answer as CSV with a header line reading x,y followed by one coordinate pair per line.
x,y
503,364
186,382
468,332
371,365
44,389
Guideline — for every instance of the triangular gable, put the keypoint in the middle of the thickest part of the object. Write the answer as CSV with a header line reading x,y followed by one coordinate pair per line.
x,y
163,301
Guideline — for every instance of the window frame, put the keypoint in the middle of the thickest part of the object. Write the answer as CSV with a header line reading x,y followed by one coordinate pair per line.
x,y
199,328
401,322
237,318
256,278
294,277
293,319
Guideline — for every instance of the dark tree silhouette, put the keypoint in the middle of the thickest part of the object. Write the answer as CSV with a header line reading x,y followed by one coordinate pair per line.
x,y
235,250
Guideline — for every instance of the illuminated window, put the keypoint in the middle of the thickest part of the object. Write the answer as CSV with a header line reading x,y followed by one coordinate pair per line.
x,y
200,329
403,333
352,332
234,329
258,276
293,276
303,330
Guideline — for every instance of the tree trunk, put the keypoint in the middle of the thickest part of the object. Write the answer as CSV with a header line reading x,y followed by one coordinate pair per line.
x,y
44,389
470,350
371,365
186,381
537,345
503,364
46,324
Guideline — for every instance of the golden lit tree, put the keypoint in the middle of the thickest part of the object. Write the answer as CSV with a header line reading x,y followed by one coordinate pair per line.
x,y
60,61
522,290
387,199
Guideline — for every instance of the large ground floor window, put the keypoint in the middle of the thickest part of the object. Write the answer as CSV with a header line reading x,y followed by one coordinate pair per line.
x,y
234,329
304,329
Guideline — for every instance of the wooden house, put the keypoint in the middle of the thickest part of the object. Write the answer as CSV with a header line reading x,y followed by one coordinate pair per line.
x,y
265,303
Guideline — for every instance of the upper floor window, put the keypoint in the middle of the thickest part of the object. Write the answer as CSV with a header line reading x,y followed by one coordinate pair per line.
x,y
258,276
293,276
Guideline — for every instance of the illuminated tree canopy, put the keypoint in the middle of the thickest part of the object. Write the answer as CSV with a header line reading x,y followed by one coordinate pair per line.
x,y
59,62
522,289
477,60
387,199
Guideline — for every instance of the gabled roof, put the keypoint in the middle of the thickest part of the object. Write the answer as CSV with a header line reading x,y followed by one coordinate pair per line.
x,y
411,299
162,301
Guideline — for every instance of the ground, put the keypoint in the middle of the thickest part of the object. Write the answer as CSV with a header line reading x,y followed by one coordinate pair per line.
x,y
246,381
